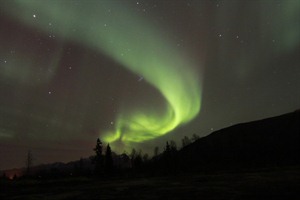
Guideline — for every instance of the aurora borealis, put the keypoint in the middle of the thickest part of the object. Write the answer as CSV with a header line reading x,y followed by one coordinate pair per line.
x,y
163,67
137,73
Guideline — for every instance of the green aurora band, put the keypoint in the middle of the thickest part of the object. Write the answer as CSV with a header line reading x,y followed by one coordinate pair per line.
x,y
132,41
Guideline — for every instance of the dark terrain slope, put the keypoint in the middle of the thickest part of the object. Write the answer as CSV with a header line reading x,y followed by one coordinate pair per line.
x,y
269,142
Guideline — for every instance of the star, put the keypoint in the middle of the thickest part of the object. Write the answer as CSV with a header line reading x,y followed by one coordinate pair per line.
x,y
190,73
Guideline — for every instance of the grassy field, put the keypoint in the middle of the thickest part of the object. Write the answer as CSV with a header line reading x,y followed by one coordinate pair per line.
x,y
259,184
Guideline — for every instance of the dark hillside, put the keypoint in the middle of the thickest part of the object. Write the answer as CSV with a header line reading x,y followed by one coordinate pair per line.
x,y
272,141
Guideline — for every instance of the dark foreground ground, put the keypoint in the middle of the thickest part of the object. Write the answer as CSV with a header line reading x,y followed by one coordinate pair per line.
x,y
283,183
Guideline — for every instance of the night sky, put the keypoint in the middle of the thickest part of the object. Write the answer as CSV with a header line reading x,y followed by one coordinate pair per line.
x,y
139,73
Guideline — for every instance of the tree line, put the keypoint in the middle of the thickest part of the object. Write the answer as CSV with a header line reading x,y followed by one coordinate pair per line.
x,y
105,162
108,163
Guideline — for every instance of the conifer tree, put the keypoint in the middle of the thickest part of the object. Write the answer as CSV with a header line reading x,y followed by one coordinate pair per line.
x,y
156,151
98,158
28,162
108,160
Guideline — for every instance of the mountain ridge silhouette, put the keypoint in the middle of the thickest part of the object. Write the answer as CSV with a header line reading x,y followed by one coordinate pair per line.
x,y
270,141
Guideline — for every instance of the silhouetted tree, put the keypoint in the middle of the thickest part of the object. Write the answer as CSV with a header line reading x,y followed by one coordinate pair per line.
x,y
108,160
195,137
132,157
98,148
98,158
156,151
125,160
138,160
185,141
145,157
173,146
125,157
167,148
170,157
28,162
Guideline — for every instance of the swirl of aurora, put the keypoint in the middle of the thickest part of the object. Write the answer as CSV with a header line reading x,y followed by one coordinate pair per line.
x,y
136,44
